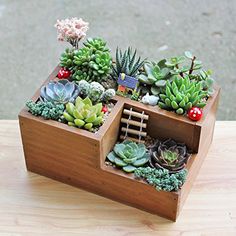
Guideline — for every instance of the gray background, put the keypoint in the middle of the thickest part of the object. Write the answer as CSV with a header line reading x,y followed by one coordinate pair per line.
x,y
158,28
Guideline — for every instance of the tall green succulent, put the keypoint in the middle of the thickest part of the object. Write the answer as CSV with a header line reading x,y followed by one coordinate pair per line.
x,y
155,76
66,59
181,94
96,44
91,64
83,114
129,155
127,63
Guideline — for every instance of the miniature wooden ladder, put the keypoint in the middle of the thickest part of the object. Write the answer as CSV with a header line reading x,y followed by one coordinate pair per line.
x,y
137,121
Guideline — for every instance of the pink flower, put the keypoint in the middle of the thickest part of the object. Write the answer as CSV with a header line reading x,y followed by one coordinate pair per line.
x,y
71,30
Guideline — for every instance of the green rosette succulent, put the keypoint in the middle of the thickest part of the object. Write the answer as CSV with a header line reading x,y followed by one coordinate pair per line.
x,y
182,94
61,91
127,63
129,155
155,76
96,44
67,57
84,114
90,65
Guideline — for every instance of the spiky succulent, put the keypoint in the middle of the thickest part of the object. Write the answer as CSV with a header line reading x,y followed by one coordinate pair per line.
x,y
61,91
162,179
129,155
126,63
155,76
47,110
84,114
96,44
181,94
169,155
67,57
91,65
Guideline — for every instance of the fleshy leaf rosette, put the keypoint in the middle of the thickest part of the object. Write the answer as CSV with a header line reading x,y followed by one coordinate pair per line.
x,y
129,155
169,155
62,91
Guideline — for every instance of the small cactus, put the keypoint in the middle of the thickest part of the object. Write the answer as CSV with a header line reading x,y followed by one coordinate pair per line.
x,y
84,87
95,92
108,95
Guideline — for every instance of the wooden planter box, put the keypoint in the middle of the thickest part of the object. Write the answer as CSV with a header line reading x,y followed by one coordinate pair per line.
x,y
77,157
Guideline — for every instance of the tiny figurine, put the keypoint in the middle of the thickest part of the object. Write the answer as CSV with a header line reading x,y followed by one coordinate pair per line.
x,y
195,113
63,74
150,100
127,84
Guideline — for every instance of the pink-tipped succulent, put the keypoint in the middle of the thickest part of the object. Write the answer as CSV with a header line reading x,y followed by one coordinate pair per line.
x,y
71,30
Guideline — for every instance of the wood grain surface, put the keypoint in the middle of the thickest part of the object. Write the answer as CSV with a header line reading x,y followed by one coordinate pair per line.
x,y
34,205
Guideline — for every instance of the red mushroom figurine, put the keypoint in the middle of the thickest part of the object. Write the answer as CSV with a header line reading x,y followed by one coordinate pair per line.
x,y
195,113
104,109
63,73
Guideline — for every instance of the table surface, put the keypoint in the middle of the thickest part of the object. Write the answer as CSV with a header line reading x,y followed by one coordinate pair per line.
x,y
34,205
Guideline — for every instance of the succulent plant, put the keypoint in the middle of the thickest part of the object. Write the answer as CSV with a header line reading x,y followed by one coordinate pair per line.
x,y
161,179
175,64
61,91
204,77
182,94
95,91
96,44
83,87
83,114
108,95
66,59
47,110
126,63
169,155
129,155
91,65
155,75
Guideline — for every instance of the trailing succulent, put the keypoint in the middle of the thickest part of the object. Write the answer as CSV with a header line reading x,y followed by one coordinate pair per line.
x,y
169,155
92,62
126,63
182,94
162,179
155,76
48,110
61,91
84,114
129,155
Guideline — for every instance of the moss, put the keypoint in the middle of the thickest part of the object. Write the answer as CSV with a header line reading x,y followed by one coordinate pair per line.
x,y
162,179
47,110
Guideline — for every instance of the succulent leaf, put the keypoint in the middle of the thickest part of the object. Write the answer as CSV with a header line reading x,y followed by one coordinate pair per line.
x,y
129,155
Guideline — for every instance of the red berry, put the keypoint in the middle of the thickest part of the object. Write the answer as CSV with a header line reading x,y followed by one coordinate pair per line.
x,y
104,109
195,113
